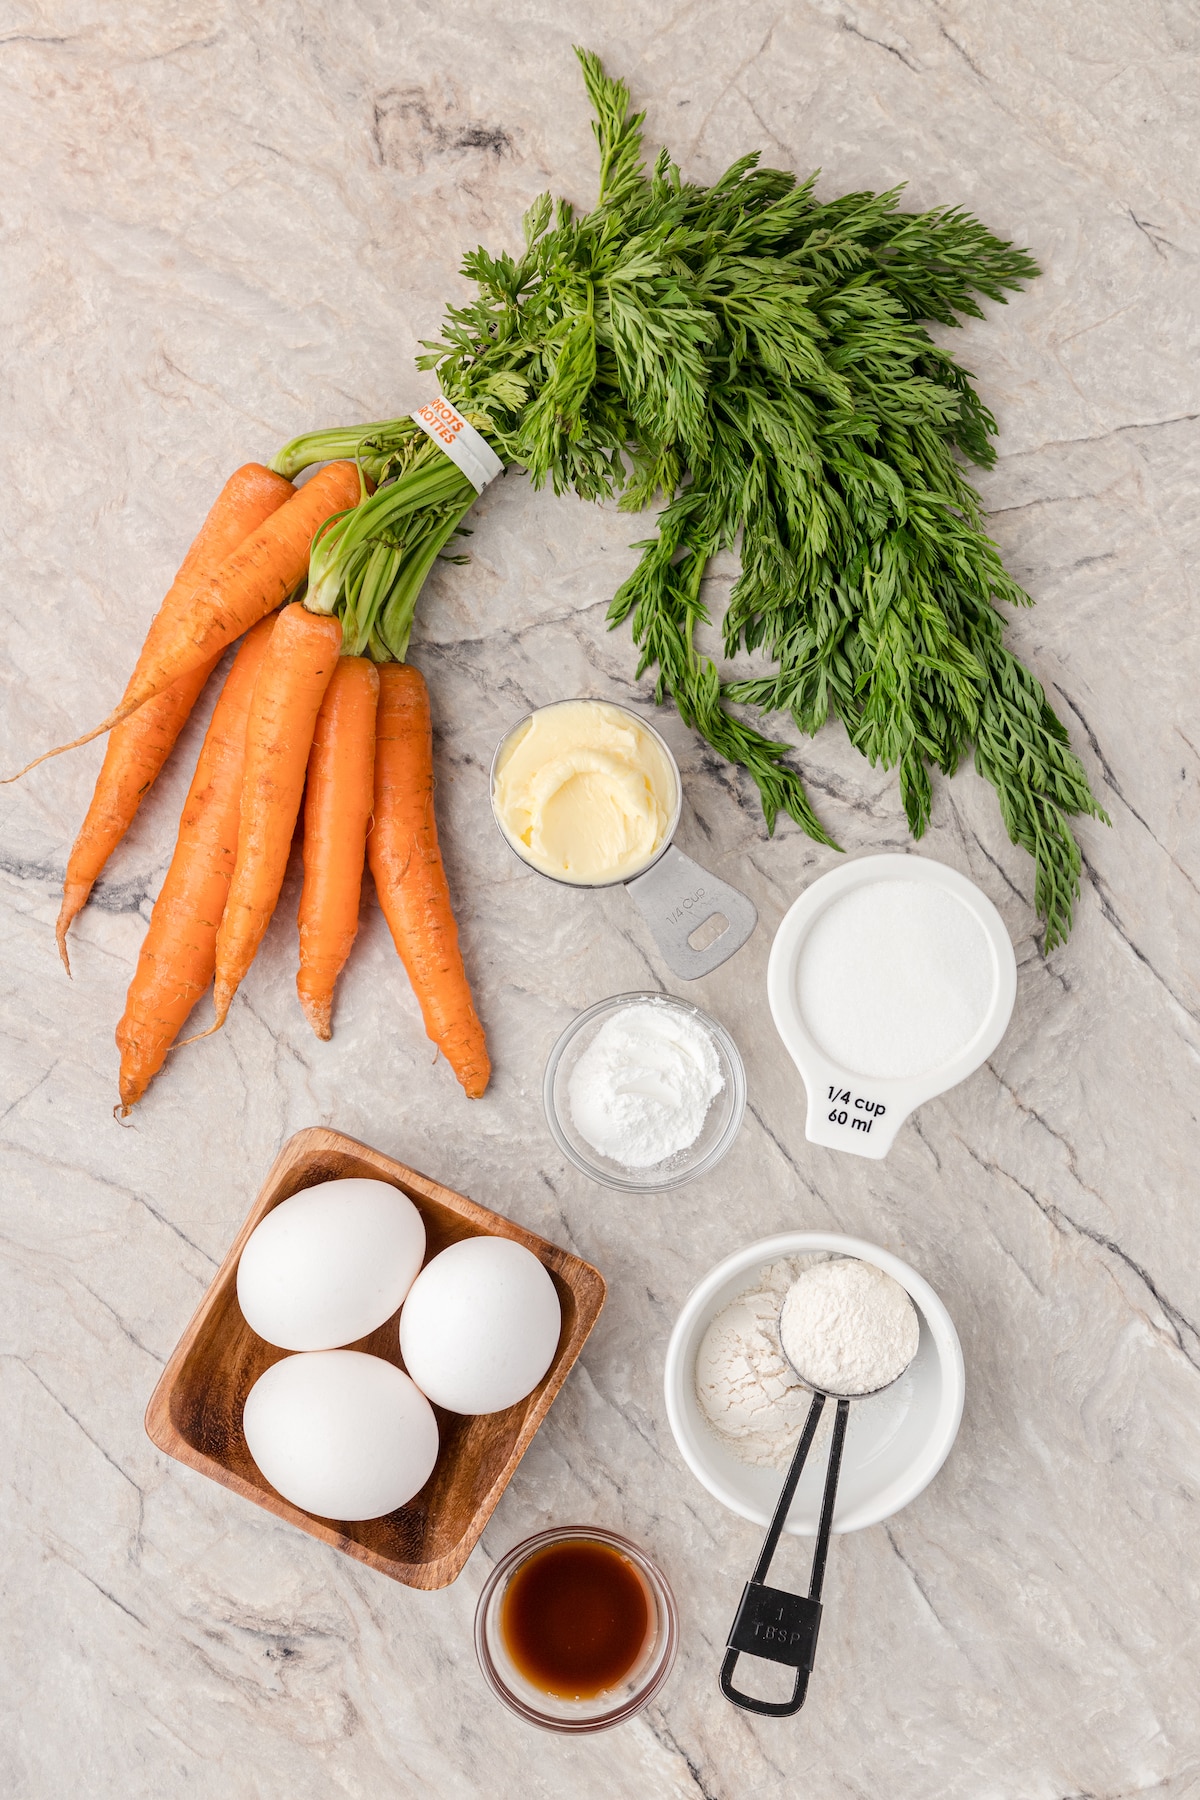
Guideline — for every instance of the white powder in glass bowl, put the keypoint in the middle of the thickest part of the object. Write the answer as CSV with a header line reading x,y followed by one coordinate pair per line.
x,y
641,1091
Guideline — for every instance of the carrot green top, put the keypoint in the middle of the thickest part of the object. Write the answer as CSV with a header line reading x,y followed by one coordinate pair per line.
x,y
758,360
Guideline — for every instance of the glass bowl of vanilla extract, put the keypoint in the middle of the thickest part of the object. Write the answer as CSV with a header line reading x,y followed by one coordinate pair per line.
x,y
576,1629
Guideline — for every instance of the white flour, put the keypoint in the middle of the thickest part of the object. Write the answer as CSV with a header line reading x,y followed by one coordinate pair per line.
x,y
848,1328
748,1390
744,1385
642,1089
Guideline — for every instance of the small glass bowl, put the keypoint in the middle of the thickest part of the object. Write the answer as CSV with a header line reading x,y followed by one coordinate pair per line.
x,y
721,1124
603,1710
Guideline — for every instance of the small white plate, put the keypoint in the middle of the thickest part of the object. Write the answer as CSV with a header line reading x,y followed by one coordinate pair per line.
x,y
895,1443
861,1113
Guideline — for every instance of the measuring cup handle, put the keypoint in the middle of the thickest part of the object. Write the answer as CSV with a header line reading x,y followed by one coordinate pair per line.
x,y
773,1625
774,1709
676,897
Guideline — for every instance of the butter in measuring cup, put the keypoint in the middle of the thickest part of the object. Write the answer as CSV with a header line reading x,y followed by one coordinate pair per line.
x,y
585,793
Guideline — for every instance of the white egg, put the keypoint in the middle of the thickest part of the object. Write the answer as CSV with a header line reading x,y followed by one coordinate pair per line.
x,y
341,1434
331,1264
480,1325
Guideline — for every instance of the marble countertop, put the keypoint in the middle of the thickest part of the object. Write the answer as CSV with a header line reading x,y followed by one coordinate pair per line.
x,y
225,224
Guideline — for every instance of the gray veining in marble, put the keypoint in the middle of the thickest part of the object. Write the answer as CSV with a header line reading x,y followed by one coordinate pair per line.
x,y
224,223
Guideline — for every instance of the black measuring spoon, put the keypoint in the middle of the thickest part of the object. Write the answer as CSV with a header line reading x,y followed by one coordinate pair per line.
x,y
771,1623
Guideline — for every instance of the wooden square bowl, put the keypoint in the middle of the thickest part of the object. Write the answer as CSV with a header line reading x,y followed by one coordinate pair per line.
x,y
195,1413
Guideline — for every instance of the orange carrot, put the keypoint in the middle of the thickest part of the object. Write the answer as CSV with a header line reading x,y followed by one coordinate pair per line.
x,y
257,577
140,745
337,813
407,865
295,673
179,952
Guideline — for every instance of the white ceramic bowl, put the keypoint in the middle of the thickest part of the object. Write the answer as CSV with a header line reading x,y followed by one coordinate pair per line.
x,y
895,1443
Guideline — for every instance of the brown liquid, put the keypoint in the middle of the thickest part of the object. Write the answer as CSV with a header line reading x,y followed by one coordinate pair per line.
x,y
575,1618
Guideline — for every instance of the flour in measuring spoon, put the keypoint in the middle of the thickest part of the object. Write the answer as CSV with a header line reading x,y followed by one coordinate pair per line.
x,y
751,1395
847,1327
641,1091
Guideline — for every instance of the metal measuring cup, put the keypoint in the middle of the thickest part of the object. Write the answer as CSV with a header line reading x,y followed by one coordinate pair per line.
x,y
772,1624
674,895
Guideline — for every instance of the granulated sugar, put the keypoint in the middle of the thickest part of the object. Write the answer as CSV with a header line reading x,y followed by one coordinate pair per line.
x,y
895,978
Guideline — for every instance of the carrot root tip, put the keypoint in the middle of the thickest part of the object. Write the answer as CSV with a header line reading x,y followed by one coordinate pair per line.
x,y
198,1036
319,1013
222,996
114,718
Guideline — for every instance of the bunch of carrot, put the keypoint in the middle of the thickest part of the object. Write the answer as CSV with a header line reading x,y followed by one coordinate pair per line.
x,y
296,722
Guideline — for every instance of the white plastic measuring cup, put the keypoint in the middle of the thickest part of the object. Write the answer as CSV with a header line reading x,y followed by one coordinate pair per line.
x,y
857,1109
